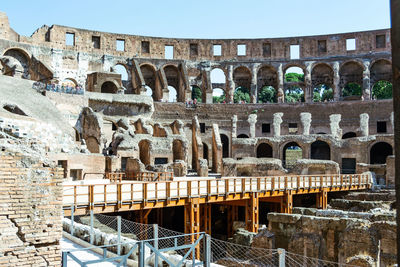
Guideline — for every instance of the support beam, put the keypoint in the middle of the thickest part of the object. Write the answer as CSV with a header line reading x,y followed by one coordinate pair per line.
x,y
287,202
252,209
192,221
322,200
205,215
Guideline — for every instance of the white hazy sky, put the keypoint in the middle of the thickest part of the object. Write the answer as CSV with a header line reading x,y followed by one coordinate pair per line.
x,y
202,19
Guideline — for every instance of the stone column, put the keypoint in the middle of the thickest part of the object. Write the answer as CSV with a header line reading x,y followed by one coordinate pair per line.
x,y
336,81
308,92
253,87
366,81
364,124
252,121
231,85
280,95
234,126
277,123
305,119
335,119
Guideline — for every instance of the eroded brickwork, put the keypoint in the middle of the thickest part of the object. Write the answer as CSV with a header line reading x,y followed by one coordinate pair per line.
x,y
30,212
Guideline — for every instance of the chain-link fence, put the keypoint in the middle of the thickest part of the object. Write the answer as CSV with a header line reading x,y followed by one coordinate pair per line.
x,y
221,252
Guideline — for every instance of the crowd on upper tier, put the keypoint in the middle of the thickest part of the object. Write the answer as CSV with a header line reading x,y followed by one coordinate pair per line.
x,y
63,88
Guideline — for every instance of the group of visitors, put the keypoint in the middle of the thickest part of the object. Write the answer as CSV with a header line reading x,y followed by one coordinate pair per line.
x,y
63,88
191,103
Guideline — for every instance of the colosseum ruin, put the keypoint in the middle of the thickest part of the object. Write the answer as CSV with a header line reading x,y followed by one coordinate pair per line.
x,y
272,143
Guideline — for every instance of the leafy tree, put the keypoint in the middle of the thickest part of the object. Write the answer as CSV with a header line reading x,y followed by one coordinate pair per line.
x,y
294,94
196,94
241,94
294,77
382,90
218,99
267,95
352,89
322,93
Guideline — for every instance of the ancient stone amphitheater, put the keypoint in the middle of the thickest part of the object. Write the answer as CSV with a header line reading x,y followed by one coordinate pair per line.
x,y
156,127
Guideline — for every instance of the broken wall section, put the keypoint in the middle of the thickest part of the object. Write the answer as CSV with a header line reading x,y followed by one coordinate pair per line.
x,y
30,212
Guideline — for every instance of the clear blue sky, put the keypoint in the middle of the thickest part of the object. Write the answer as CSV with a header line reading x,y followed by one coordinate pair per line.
x,y
202,19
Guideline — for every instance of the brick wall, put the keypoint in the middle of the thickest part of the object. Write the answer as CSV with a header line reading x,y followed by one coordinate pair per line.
x,y
30,212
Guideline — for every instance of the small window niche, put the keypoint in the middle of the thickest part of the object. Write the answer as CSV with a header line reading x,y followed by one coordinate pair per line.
x,y
217,50
241,49
169,52
380,41
194,50
120,45
267,50
293,128
124,161
295,52
96,42
145,47
381,127
70,39
266,128
351,44
322,46
202,127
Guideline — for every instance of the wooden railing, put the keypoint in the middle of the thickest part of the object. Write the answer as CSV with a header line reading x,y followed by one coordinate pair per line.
x,y
115,176
134,192
150,176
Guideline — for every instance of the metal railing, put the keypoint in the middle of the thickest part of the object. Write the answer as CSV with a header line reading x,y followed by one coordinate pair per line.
x,y
131,191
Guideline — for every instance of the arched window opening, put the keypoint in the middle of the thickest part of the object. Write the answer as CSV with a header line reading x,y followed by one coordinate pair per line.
x,y
264,151
349,135
379,152
225,145
322,93
242,136
16,63
291,153
218,95
109,88
320,150
267,81
149,76
242,79
382,90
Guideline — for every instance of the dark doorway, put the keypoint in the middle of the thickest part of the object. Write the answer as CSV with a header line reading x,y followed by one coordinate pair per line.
x,y
320,150
264,151
379,153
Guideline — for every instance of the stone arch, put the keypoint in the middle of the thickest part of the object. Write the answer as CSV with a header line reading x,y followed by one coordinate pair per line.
x,y
381,70
294,85
126,75
267,84
177,150
242,77
320,150
16,63
349,135
92,144
351,72
144,152
173,80
291,152
322,73
109,87
264,150
218,81
70,82
149,74
225,145
379,151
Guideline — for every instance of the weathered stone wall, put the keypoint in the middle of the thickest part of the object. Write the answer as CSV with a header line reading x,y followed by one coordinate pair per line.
x,y
30,212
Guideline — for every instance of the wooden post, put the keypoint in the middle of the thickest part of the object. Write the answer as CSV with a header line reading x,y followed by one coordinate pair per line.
x,y
322,199
192,221
252,213
287,202
205,215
